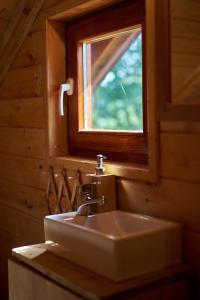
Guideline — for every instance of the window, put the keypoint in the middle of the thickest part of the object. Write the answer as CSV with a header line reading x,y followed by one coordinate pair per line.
x,y
105,56
112,82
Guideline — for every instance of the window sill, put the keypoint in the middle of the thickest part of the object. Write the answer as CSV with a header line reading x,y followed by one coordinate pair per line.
x,y
124,170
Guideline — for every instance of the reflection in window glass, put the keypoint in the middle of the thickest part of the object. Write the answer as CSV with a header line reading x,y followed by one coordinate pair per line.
x,y
112,82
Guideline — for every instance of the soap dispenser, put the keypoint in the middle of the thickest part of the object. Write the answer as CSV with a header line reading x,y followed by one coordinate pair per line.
x,y
105,185
100,168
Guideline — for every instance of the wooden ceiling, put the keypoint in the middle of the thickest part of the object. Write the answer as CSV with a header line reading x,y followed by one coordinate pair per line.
x,y
18,25
7,8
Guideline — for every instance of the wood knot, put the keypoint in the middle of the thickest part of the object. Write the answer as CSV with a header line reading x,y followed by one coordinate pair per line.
x,y
26,10
28,205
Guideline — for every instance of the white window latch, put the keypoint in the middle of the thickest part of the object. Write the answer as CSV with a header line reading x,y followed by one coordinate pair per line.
x,y
65,87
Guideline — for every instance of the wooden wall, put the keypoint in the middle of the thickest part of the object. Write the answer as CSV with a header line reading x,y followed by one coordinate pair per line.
x,y
185,50
23,175
6,10
22,143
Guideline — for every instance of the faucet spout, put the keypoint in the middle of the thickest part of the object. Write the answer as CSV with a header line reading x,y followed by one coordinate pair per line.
x,y
89,207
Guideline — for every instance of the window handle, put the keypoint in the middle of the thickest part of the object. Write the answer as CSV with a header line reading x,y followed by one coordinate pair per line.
x,y
64,87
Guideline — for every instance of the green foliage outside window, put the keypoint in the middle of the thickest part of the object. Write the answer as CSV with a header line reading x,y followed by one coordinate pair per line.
x,y
117,100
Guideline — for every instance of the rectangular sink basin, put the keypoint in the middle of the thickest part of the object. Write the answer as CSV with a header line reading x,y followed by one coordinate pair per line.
x,y
117,245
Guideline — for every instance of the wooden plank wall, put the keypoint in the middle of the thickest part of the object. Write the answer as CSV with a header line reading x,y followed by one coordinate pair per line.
x,y
6,11
22,148
185,50
23,164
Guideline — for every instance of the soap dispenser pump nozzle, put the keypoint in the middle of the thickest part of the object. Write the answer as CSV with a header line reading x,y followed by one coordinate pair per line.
x,y
100,168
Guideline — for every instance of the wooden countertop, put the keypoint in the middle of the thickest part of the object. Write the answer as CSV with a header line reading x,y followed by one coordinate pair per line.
x,y
86,283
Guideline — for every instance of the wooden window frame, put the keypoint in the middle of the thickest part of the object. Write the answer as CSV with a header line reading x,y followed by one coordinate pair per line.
x,y
117,146
55,73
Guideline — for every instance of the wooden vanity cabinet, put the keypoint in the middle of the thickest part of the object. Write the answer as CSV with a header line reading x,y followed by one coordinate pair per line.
x,y
49,277
26,284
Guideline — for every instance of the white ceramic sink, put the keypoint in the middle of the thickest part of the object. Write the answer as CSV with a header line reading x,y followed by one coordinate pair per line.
x,y
116,244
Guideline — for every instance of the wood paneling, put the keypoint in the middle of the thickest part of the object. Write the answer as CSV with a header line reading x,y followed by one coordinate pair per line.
x,y
23,227
23,170
22,83
179,74
7,8
50,3
23,179
22,112
89,285
184,127
7,242
183,45
185,9
39,23
171,199
18,27
30,201
71,9
185,28
3,24
191,250
180,157
22,141
185,61
25,284
178,87
31,51
55,74
6,11
13,20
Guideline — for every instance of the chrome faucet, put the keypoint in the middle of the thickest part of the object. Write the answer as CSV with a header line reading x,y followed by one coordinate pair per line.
x,y
90,207
90,202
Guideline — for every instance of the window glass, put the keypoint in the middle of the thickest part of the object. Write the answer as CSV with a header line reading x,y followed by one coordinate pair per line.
x,y
112,81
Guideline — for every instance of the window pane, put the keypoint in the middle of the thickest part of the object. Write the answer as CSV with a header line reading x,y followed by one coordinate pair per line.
x,y
112,82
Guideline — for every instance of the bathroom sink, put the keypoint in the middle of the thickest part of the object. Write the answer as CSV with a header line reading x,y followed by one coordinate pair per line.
x,y
116,244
